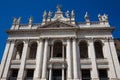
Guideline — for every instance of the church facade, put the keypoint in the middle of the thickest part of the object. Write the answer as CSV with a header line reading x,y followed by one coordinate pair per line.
x,y
60,49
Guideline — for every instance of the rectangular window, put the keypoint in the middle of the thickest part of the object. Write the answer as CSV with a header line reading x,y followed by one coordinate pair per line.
x,y
57,74
103,74
29,74
13,74
86,74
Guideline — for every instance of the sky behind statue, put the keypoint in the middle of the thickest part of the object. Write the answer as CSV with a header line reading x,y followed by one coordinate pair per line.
x,y
35,8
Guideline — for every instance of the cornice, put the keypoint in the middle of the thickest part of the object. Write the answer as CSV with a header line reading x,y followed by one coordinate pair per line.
x,y
76,29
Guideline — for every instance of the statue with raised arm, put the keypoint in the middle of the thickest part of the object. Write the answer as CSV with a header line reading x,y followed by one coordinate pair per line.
x,y
67,14
72,13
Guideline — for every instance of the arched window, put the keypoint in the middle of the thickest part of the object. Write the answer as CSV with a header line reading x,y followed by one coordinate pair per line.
x,y
83,47
98,49
57,49
33,50
18,51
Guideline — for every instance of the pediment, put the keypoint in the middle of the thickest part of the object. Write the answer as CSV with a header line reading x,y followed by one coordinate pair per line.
x,y
57,24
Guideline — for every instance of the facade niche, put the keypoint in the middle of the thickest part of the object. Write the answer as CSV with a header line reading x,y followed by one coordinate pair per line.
x,y
57,49
33,50
98,49
18,51
83,48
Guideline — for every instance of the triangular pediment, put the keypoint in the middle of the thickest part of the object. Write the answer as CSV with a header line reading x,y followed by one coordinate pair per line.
x,y
57,24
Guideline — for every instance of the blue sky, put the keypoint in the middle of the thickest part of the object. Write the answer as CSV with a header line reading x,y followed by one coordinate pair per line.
x,y
35,8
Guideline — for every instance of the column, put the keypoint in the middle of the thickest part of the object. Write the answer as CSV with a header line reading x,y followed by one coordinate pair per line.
x,y
6,70
76,63
63,71
44,67
114,57
63,54
111,72
91,52
23,61
50,72
3,62
69,58
39,59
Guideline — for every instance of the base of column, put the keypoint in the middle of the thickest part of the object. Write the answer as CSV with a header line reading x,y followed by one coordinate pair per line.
x,y
19,79
69,79
95,79
43,79
77,79
36,79
114,79
3,79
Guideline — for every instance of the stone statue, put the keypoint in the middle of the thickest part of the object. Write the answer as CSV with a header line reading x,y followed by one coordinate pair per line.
x,y
49,14
18,21
18,56
86,17
30,20
99,17
58,8
72,13
14,20
67,14
44,14
105,17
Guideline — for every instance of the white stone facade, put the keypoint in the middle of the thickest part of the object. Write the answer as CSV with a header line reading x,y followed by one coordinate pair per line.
x,y
60,49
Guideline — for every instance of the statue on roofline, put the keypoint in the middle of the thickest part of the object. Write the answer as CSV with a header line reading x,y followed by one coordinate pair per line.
x,y
49,14
72,13
14,20
103,17
67,14
86,17
45,14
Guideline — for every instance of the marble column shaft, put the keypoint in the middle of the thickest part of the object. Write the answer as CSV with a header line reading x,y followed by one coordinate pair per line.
x,y
69,58
23,61
91,52
115,58
4,59
76,67
10,53
44,67
39,59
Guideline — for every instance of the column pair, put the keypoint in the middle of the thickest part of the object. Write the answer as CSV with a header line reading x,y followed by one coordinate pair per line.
x,y
7,60
114,58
